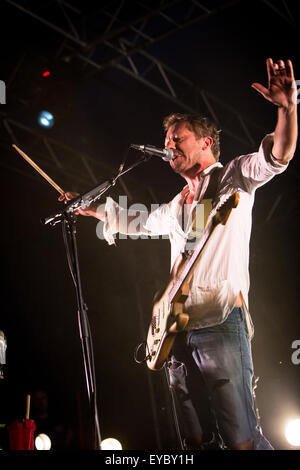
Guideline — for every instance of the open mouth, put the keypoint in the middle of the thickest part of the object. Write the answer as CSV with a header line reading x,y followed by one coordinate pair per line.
x,y
176,155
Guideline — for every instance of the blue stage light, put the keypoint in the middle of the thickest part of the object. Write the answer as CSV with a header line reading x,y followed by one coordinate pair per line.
x,y
46,119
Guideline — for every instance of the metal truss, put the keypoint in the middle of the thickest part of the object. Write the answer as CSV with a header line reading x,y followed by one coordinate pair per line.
x,y
71,169
285,9
148,20
117,34
181,91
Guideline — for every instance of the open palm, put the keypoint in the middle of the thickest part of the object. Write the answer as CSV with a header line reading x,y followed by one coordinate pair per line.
x,y
282,90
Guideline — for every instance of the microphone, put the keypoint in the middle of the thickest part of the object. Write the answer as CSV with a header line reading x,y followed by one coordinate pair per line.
x,y
165,154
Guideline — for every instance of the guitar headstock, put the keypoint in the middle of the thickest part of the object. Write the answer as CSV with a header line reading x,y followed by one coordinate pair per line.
x,y
225,209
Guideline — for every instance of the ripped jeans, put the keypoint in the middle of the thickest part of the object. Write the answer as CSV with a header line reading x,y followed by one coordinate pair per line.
x,y
211,375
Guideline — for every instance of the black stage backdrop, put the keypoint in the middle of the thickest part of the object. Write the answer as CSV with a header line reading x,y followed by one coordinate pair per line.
x,y
99,110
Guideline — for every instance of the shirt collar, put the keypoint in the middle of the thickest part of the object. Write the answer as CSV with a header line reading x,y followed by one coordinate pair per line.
x,y
209,169
203,173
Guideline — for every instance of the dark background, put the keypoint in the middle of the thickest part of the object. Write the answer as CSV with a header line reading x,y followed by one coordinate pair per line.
x,y
99,110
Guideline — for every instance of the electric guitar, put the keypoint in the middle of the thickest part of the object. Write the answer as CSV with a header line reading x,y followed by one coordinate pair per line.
x,y
168,317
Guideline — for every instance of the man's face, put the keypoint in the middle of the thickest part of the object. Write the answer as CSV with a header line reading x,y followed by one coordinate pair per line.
x,y
187,149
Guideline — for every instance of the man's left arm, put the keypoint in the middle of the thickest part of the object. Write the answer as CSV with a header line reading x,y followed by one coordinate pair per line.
x,y
282,92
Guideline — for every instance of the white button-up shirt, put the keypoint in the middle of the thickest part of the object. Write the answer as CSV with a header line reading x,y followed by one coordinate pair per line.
x,y
223,270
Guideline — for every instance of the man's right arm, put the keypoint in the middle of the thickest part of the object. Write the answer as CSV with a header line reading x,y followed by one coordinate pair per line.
x,y
95,210
132,221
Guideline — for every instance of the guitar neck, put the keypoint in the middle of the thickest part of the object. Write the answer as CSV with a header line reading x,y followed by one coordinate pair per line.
x,y
221,217
189,264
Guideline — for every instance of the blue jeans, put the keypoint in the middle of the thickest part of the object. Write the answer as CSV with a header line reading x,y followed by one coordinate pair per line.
x,y
211,373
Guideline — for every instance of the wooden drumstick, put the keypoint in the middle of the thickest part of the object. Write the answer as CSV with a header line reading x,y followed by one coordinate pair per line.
x,y
27,406
38,169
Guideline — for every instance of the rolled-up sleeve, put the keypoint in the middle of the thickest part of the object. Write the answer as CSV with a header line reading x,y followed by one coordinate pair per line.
x,y
256,169
134,221
110,222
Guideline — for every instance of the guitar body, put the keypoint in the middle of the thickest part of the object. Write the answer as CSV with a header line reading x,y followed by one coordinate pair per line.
x,y
168,316
167,320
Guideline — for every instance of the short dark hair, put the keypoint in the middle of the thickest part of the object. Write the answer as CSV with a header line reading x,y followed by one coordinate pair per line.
x,y
200,125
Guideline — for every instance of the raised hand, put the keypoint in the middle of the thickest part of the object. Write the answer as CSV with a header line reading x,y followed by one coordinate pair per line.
x,y
282,90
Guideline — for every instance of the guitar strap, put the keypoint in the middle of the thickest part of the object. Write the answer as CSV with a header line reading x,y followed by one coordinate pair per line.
x,y
204,207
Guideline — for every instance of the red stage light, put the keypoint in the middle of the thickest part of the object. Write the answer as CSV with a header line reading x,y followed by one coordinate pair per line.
x,y
46,73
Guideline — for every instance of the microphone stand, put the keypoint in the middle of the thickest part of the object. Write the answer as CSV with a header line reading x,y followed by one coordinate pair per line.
x,y
68,218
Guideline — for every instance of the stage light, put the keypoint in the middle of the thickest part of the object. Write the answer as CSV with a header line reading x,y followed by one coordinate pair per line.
x,y
46,73
292,432
42,442
111,444
46,119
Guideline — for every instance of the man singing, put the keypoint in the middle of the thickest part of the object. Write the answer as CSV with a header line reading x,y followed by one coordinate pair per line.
x,y
211,361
